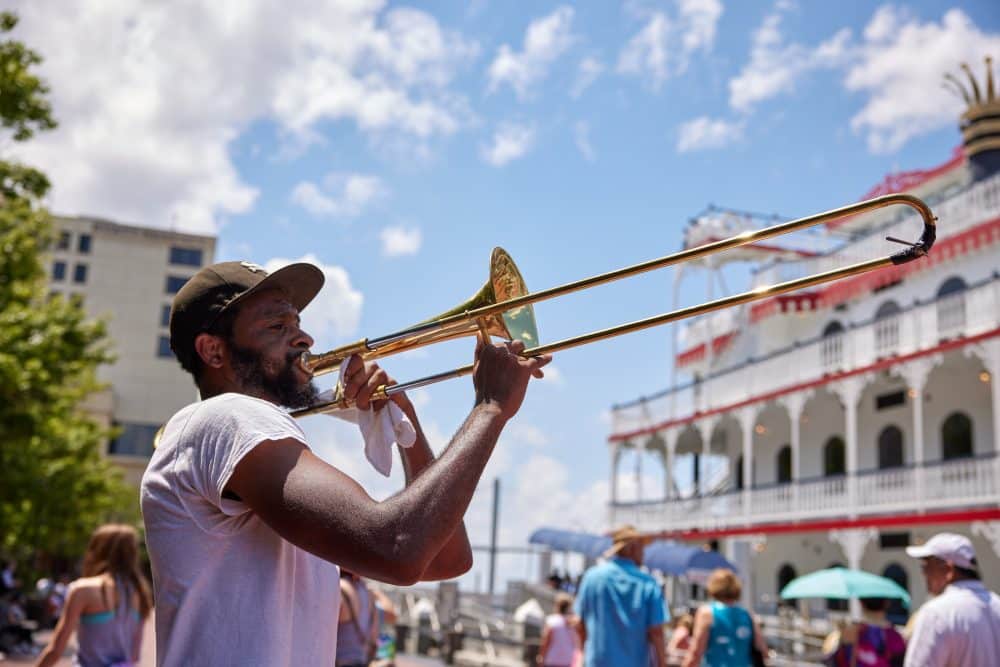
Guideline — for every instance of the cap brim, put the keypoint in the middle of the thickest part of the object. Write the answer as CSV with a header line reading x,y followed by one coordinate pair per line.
x,y
300,282
918,552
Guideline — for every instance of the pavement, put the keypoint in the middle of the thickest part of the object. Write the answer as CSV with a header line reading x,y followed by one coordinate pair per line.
x,y
148,649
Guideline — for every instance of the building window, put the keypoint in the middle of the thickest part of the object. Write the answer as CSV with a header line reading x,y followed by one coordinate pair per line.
x,y
786,574
165,315
58,271
784,465
64,241
83,244
834,457
134,439
896,612
175,283
890,448
890,400
185,256
80,273
956,437
739,472
163,348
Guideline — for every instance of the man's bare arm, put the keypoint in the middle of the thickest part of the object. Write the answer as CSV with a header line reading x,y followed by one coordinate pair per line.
x,y
322,510
455,557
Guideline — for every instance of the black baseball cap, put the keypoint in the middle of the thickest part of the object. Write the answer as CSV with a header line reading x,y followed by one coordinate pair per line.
x,y
217,288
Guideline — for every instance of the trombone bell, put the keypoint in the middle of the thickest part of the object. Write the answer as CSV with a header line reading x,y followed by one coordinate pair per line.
x,y
504,283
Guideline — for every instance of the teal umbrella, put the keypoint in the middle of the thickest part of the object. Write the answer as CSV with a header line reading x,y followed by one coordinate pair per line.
x,y
840,583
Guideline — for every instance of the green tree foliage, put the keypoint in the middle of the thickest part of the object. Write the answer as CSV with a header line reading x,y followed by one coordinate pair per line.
x,y
54,485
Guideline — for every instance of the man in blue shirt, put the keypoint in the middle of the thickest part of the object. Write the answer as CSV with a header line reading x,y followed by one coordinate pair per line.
x,y
621,608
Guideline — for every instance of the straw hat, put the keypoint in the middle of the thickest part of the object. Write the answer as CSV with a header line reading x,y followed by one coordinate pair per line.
x,y
622,536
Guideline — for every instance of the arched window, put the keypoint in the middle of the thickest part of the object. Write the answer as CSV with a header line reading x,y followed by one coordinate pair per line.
x,y
890,448
786,573
951,308
834,457
738,473
953,285
784,465
832,329
956,437
897,612
887,328
887,309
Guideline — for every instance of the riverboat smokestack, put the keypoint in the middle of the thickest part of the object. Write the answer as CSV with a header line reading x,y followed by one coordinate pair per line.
x,y
980,124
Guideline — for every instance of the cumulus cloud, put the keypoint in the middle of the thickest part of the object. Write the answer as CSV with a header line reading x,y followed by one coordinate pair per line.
x,y
663,47
400,240
545,40
150,101
900,68
704,133
340,196
554,376
510,142
586,74
581,136
336,310
775,66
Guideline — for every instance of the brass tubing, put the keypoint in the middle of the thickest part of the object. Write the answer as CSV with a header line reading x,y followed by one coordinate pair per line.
x,y
687,255
914,251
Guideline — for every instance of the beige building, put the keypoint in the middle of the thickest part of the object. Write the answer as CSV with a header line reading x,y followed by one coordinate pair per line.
x,y
128,275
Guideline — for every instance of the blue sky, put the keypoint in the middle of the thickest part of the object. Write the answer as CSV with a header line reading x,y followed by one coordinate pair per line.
x,y
395,146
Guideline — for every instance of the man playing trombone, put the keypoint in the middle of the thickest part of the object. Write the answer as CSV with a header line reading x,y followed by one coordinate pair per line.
x,y
244,523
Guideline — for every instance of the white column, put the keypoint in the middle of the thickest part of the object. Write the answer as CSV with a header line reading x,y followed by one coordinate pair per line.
x,y
640,450
990,531
849,390
795,404
853,542
614,449
915,373
989,352
747,416
705,428
670,437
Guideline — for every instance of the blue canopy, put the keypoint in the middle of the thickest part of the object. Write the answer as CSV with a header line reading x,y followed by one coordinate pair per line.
x,y
665,555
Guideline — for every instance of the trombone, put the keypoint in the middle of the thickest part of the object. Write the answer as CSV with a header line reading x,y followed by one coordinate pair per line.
x,y
503,306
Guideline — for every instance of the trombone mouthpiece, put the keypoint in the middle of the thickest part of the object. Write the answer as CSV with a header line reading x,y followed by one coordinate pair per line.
x,y
306,363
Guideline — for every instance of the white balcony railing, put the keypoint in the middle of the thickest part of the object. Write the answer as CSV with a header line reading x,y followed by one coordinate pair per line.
x,y
959,483
974,311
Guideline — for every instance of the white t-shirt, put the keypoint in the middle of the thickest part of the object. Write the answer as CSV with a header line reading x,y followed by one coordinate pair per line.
x,y
959,628
229,590
562,641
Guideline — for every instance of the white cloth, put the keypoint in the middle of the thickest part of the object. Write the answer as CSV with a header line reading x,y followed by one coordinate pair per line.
x,y
380,430
229,590
959,628
562,641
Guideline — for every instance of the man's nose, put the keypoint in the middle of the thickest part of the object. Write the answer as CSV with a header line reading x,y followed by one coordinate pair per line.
x,y
302,339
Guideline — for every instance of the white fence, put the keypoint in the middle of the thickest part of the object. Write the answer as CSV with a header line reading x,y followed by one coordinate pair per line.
x,y
940,485
967,313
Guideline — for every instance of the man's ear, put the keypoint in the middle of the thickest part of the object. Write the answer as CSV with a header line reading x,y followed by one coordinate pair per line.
x,y
211,349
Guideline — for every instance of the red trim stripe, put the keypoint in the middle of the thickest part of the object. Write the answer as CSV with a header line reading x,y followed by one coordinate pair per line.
x,y
832,377
886,521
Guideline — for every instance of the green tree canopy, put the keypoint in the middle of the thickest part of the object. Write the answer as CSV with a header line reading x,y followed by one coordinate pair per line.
x,y
54,485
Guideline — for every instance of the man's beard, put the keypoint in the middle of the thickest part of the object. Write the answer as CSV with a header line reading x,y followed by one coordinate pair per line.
x,y
284,387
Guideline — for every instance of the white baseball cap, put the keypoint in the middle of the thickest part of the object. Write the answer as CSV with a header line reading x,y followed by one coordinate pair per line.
x,y
951,547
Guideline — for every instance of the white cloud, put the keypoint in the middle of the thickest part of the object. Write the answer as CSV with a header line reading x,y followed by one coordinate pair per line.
x,y
774,66
581,135
586,73
706,133
510,142
554,376
901,67
665,44
336,310
545,40
150,99
400,240
340,196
